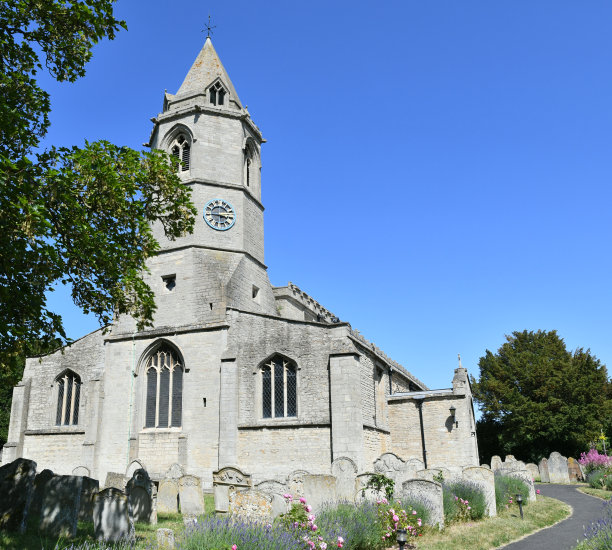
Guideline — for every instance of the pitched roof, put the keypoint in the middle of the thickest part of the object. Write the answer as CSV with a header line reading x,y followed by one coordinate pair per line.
x,y
206,69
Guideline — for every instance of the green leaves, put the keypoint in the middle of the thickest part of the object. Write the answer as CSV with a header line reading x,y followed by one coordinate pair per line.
x,y
536,397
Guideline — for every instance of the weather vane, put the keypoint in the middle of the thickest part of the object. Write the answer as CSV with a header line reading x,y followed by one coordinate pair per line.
x,y
209,27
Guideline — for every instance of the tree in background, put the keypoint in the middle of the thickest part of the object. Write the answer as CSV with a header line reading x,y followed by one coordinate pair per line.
x,y
537,397
77,216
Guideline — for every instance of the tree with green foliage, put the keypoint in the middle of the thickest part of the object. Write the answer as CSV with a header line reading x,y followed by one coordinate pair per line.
x,y
78,216
537,397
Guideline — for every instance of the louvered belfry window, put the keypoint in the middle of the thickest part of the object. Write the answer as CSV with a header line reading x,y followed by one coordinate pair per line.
x,y
68,399
181,150
279,388
164,400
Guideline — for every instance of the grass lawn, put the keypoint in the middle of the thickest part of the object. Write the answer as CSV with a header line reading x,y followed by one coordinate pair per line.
x,y
599,493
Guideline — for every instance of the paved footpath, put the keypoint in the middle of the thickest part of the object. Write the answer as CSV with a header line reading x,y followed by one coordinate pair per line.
x,y
564,535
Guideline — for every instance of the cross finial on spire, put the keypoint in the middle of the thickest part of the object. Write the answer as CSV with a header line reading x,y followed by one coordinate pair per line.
x,y
459,357
209,27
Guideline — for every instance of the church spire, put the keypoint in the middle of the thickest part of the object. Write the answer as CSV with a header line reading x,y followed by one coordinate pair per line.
x,y
205,70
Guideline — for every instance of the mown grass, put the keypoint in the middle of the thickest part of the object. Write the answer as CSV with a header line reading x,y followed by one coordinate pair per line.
x,y
493,532
599,493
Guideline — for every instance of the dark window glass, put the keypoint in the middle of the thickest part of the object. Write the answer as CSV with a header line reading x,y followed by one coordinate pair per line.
x,y
185,157
177,396
151,398
266,377
221,96
248,171
60,402
291,392
176,151
77,397
279,389
164,397
68,391
213,96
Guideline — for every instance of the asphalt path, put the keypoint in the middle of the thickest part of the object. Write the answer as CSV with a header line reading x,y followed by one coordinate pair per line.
x,y
566,534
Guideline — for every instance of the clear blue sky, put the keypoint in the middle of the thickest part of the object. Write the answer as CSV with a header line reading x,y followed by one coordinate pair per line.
x,y
437,173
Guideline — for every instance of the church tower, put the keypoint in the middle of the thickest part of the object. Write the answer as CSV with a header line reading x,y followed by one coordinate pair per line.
x,y
221,264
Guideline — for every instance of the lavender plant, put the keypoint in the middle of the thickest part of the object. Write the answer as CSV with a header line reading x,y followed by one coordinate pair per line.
x,y
598,536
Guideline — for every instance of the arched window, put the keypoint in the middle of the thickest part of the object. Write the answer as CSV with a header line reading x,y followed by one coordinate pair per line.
x,y
278,388
164,400
68,398
251,166
216,94
181,150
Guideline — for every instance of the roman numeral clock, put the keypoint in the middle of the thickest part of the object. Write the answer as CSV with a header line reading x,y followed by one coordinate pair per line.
x,y
219,214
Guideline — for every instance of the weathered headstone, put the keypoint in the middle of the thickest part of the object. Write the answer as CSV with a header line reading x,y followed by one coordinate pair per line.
x,y
39,490
574,470
496,463
295,483
89,488
364,493
224,480
428,493
533,470
395,468
543,468
485,466
190,496
81,471
59,511
319,489
142,498
345,472
165,539
115,480
136,464
176,471
525,476
485,479
557,468
251,505
110,515
433,474
167,496
16,489
512,465
275,490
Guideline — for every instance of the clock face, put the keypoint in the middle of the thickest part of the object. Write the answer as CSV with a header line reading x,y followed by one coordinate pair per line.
x,y
219,214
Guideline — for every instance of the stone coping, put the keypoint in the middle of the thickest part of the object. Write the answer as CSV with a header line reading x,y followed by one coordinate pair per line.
x,y
56,431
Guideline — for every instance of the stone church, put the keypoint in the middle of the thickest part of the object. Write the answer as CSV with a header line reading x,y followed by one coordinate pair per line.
x,y
235,371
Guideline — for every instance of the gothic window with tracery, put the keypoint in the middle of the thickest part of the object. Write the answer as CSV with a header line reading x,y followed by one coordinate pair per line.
x,y
216,94
279,388
68,399
181,151
164,400
251,168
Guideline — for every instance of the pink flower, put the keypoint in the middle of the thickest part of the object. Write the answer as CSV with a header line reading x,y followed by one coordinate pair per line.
x,y
308,508
414,512
287,496
537,491
314,527
302,500
323,546
234,547
469,507
395,519
340,540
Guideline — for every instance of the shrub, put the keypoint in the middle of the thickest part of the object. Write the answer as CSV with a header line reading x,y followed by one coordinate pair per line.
x,y
358,522
506,489
463,501
594,461
600,479
599,534
422,509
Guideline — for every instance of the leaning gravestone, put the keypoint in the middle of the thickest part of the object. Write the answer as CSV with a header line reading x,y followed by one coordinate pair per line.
x,y
167,496
428,493
142,497
533,470
252,506
89,488
496,462
190,496
574,470
59,511
116,480
485,479
543,467
16,488
39,490
345,472
557,468
110,515
275,490
319,489
225,480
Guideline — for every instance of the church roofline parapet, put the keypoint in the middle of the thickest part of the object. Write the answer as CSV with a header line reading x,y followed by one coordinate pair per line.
x,y
166,331
295,293
417,395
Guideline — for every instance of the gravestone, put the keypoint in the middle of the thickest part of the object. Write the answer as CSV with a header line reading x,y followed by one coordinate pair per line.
x,y
557,468
167,496
165,539
345,472
59,511
510,458
574,470
142,498
39,490
110,515
224,480
525,476
295,483
136,464
512,466
496,463
485,466
251,505
395,468
412,466
319,489
543,468
275,490
89,488
485,479
176,471
428,493
190,496
81,471
16,489
432,473
116,480
533,470
363,493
